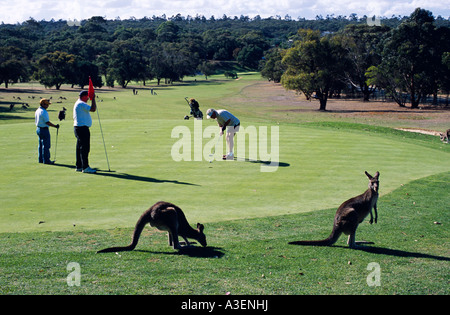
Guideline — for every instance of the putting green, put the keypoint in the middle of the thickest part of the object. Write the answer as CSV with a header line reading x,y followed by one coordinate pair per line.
x,y
318,169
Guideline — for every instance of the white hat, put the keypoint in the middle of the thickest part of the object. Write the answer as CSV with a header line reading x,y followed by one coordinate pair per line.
x,y
209,113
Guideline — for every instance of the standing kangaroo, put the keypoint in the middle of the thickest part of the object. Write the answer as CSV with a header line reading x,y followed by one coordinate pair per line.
x,y
165,217
350,214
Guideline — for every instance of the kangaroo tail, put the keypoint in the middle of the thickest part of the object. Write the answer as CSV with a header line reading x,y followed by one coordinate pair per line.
x,y
137,233
330,240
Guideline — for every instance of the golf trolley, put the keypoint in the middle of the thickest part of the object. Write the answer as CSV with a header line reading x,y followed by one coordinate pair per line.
x,y
195,110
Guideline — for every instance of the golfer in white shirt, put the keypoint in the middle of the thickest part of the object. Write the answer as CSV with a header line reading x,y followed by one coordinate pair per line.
x,y
82,121
42,122
228,122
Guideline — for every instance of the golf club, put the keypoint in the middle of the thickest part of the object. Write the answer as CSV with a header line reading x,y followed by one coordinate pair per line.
x,y
211,156
56,142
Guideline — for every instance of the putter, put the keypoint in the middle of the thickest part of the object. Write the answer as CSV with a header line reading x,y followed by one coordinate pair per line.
x,y
56,143
211,156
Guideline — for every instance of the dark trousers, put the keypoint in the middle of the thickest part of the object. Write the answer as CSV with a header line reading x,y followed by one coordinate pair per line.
x,y
83,136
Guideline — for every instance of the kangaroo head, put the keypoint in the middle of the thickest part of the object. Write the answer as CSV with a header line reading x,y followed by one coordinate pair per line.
x,y
201,236
374,184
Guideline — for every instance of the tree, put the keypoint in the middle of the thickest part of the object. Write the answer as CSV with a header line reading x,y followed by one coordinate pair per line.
x,y
127,62
55,68
272,67
443,73
445,78
253,44
363,50
13,65
409,60
172,61
206,68
168,32
82,70
313,65
219,44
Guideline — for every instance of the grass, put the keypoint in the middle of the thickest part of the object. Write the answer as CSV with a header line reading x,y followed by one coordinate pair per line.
x,y
51,216
249,256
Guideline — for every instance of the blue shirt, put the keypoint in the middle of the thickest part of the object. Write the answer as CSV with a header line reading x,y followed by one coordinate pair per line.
x,y
81,114
224,115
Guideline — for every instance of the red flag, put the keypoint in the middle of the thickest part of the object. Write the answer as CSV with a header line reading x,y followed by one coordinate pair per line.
x,y
91,92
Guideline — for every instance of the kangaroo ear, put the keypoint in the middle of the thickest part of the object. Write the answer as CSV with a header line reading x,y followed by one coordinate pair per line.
x,y
377,174
200,227
368,175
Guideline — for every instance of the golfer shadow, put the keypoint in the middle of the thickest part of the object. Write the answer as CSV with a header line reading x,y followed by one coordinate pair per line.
x,y
268,163
140,178
129,176
192,251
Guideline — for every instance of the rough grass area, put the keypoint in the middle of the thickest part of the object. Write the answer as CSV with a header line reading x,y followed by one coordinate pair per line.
x,y
250,256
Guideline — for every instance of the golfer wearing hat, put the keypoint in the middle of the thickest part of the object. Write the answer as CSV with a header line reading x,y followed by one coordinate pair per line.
x,y
228,122
82,121
42,121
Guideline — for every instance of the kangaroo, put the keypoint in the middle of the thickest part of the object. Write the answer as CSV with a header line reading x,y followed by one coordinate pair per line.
x,y
445,135
350,214
165,217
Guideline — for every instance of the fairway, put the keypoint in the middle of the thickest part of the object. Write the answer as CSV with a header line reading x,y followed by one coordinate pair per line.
x,y
320,164
318,167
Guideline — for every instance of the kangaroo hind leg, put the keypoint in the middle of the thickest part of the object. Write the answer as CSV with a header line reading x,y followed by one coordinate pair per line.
x,y
173,239
351,241
355,244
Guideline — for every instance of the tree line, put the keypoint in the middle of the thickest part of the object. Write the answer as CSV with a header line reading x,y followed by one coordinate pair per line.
x,y
408,62
169,49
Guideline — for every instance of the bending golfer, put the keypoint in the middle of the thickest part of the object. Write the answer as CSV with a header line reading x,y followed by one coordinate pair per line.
x,y
82,121
228,122
42,121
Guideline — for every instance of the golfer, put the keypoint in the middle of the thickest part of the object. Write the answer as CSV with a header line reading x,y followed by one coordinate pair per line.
x,y
42,121
228,122
82,121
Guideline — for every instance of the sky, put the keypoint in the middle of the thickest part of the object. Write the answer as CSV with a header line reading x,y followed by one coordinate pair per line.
x,y
18,11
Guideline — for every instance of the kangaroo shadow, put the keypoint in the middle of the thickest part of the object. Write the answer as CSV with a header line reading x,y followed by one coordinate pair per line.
x,y
192,251
399,253
388,251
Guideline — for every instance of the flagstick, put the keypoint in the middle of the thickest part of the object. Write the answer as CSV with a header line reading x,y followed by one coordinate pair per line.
x,y
92,97
104,145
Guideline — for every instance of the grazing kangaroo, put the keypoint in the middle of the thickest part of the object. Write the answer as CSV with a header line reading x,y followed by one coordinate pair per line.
x,y
444,136
350,214
165,217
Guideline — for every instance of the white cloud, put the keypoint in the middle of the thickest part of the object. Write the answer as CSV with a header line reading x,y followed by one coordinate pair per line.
x,y
20,10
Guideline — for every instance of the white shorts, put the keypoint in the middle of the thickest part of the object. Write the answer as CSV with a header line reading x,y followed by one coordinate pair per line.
x,y
233,130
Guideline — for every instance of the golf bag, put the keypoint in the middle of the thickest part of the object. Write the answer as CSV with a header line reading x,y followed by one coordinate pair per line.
x,y
195,109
